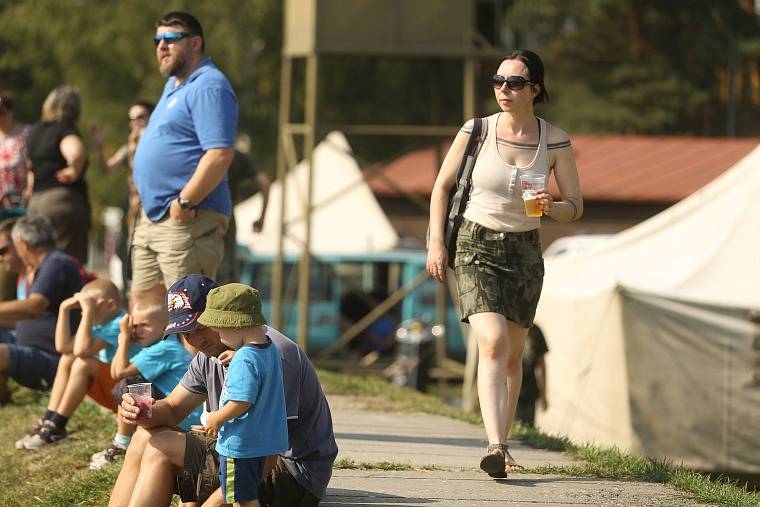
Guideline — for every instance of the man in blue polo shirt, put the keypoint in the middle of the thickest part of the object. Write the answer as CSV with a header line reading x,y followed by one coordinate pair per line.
x,y
180,167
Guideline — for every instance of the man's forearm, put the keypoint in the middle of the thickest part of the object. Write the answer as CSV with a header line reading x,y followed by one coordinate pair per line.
x,y
19,309
211,169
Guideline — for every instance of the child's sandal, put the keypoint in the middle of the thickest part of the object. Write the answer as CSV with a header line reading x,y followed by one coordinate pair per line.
x,y
493,463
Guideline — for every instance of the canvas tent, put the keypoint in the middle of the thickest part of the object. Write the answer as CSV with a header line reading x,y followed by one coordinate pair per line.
x,y
654,336
347,218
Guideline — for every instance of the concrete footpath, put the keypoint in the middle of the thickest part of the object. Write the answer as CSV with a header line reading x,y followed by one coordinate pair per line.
x,y
454,448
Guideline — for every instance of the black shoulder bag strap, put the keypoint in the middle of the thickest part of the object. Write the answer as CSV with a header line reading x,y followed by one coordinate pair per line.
x,y
460,193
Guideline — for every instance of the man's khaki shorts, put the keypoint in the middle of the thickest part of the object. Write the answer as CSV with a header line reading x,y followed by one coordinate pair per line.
x,y
164,251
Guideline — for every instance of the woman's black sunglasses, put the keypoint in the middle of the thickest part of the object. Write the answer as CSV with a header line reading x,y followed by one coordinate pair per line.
x,y
513,82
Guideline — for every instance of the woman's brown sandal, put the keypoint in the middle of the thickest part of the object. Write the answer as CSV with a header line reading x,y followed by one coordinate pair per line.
x,y
494,463
511,464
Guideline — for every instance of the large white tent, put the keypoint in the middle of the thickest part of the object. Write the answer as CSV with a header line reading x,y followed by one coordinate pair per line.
x,y
654,336
346,217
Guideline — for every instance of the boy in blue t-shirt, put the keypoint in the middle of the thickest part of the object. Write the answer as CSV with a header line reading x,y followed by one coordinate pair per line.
x,y
83,368
163,363
251,422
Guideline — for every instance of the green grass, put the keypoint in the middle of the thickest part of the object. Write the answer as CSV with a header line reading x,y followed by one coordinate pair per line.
x,y
349,464
59,476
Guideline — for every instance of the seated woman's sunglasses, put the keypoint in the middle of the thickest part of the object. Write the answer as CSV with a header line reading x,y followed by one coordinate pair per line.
x,y
513,82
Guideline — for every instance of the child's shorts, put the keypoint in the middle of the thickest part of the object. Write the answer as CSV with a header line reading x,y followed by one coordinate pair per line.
x,y
240,478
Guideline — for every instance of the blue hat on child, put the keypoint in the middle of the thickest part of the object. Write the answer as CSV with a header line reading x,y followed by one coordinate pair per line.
x,y
185,301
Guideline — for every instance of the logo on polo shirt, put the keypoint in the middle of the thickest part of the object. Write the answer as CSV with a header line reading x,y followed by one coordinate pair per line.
x,y
172,102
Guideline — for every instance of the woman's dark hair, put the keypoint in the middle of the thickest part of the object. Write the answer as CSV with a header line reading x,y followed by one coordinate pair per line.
x,y
148,106
535,71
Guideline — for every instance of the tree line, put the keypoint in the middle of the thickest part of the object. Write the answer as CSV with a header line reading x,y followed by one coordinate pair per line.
x,y
664,67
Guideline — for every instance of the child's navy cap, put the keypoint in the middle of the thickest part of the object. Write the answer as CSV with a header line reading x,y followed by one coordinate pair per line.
x,y
185,301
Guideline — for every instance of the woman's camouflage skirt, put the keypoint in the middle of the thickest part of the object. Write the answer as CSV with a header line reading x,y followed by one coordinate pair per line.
x,y
499,272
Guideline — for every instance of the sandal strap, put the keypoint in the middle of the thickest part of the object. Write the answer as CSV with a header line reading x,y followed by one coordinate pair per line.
x,y
500,447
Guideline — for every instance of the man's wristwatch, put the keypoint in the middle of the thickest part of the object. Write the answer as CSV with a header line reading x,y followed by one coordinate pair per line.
x,y
185,204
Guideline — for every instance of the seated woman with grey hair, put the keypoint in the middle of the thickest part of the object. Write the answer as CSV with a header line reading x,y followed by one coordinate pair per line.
x,y
59,160
32,361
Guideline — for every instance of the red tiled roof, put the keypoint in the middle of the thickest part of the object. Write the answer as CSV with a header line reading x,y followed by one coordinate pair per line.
x,y
611,168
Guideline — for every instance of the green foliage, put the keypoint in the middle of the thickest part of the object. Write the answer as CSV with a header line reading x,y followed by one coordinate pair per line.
x,y
612,66
641,66
105,49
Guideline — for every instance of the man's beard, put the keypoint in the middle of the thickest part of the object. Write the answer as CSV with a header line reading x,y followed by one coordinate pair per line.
x,y
175,67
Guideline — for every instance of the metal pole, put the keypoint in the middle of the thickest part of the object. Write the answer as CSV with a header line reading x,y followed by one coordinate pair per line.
x,y
373,315
283,116
468,89
469,382
310,113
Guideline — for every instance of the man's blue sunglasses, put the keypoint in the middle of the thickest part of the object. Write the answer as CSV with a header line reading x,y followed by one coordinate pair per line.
x,y
171,37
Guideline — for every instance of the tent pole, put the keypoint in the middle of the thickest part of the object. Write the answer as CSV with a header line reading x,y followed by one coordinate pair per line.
x,y
282,119
310,113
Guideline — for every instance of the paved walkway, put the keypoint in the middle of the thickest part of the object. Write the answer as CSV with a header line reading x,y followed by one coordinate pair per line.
x,y
454,448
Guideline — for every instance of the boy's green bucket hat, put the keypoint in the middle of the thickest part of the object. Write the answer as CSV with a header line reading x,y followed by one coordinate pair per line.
x,y
232,305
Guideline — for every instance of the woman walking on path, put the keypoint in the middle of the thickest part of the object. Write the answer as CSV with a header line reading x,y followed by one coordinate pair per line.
x,y
59,159
498,264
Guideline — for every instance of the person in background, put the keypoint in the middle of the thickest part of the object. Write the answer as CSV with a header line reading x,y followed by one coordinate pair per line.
x,y
534,377
59,161
32,360
181,163
83,368
498,266
245,180
138,116
14,267
14,174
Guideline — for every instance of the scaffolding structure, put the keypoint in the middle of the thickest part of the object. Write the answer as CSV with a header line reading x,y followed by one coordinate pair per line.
x,y
314,29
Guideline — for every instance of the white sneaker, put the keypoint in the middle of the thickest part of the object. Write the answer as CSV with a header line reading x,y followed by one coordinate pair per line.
x,y
21,442
113,453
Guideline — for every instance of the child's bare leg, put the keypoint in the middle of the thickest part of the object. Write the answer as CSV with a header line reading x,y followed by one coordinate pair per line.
x,y
251,503
60,381
214,500
82,372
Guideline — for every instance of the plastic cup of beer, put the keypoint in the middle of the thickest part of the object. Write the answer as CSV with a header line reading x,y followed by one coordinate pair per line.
x,y
531,183
142,394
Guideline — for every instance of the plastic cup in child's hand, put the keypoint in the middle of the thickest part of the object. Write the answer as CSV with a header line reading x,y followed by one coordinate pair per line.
x,y
142,394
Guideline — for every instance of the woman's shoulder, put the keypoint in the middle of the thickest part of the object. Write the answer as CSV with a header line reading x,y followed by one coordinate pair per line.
x,y
467,127
556,137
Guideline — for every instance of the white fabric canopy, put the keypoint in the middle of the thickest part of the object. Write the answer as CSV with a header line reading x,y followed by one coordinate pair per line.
x,y
653,335
346,217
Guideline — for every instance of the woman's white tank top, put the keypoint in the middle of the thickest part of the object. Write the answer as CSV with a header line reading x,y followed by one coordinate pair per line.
x,y
496,197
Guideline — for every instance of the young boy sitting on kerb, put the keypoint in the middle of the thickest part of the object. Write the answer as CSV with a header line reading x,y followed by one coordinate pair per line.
x,y
83,368
251,422
161,362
